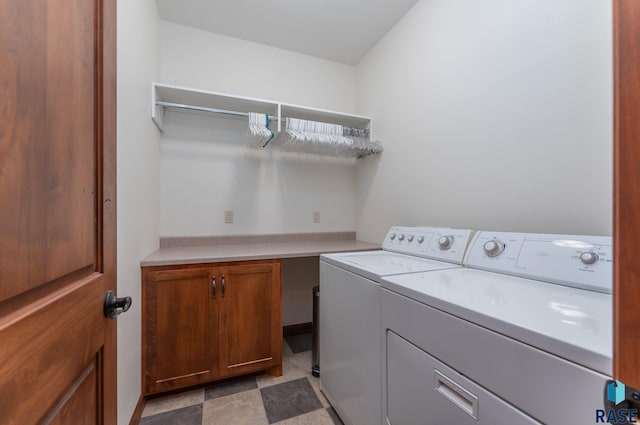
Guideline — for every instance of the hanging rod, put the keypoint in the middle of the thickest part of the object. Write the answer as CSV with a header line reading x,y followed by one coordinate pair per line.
x,y
241,114
205,109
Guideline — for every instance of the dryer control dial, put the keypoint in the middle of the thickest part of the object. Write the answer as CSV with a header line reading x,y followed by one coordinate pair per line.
x,y
445,242
420,239
493,248
410,238
401,237
589,257
393,236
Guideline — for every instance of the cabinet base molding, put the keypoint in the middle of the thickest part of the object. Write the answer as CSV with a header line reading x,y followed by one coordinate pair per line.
x,y
274,371
297,329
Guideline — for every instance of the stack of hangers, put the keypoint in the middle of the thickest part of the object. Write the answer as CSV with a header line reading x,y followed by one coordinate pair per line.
x,y
311,137
259,132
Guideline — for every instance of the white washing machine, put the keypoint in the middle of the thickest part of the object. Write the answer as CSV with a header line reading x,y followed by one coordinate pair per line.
x,y
350,339
523,335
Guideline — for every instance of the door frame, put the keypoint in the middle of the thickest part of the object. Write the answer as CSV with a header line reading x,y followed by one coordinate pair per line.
x,y
106,128
626,196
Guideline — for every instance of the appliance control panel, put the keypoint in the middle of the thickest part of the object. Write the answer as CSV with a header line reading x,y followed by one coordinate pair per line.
x,y
438,243
573,260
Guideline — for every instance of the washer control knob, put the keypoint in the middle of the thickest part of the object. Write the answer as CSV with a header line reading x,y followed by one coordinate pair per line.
x,y
410,238
401,237
445,242
393,236
493,248
589,257
420,239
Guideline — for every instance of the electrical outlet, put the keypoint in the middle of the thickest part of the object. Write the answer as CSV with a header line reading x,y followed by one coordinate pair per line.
x,y
316,216
228,217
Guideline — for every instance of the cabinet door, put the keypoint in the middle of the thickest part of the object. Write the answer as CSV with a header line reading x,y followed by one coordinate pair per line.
x,y
251,318
180,321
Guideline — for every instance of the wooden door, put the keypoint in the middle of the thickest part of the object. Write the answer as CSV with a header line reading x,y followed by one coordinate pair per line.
x,y
57,211
180,328
251,318
626,282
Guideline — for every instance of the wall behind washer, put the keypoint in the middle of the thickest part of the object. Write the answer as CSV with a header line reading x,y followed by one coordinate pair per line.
x,y
494,115
205,168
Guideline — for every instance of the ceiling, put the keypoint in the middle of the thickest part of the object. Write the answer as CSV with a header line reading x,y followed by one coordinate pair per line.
x,y
338,30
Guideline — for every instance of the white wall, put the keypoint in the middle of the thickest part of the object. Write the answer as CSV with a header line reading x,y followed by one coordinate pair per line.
x,y
206,170
494,115
138,181
205,167
299,276
195,58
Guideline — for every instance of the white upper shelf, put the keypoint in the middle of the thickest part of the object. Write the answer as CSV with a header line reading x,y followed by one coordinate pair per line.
x,y
188,98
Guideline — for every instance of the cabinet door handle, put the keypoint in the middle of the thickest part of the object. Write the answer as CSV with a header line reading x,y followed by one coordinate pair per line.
x,y
222,286
213,287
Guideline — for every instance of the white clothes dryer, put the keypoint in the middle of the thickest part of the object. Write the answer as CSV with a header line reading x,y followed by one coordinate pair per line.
x,y
523,335
350,339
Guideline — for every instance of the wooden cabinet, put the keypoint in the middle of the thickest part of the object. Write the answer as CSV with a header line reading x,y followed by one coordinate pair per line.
x,y
210,321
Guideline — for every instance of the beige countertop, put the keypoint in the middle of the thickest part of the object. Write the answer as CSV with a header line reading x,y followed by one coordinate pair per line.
x,y
194,250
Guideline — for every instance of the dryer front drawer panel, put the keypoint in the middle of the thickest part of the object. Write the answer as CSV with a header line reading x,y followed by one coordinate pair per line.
x,y
548,388
422,390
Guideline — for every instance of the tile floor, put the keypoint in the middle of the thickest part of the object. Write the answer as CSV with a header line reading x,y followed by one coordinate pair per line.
x,y
291,399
